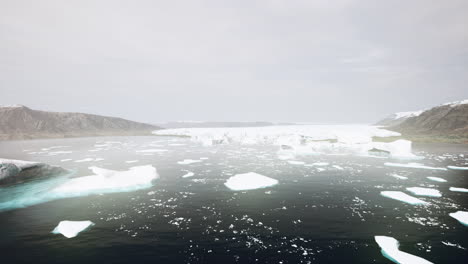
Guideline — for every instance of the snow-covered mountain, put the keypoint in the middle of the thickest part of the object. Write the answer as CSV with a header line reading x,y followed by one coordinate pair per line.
x,y
21,122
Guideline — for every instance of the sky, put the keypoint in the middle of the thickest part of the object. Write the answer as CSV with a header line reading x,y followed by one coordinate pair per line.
x,y
341,61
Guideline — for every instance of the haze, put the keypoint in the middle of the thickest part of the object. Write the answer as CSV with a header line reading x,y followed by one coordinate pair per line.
x,y
311,61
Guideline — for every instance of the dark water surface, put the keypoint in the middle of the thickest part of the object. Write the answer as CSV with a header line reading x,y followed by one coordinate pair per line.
x,y
319,214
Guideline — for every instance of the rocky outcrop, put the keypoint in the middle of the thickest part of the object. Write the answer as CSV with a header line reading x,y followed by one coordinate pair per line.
x,y
20,122
16,171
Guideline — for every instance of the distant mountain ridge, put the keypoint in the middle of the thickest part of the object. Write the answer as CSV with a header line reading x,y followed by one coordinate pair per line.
x,y
447,120
21,122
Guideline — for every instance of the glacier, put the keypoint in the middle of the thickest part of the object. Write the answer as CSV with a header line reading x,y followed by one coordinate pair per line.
x,y
390,249
71,229
249,181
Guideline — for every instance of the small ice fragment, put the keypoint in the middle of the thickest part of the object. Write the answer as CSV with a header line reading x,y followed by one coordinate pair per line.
x,y
389,248
456,189
131,161
437,179
151,150
188,174
249,181
461,216
398,176
84,160
412,165
424,191
295,162
457,168
71,228
188,161
403,197
63,160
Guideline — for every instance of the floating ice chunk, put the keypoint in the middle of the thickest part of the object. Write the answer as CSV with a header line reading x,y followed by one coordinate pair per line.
x,y
71,228
320,164
188,174
108,181
295,162
457,168
338,167
84,160
63,160
151,150
412,165
249,181
131,161
188,161
398,176
424,191
437,179
461,216
456,189
403,197
390,245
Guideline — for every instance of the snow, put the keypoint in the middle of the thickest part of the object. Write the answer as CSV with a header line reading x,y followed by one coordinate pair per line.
x,y
456,189
188,161
249,181
302,139
456,103
457,168
412,165
437,179
188,174
400,115
424,191
108,181
403,197
461,216
389,247
71,228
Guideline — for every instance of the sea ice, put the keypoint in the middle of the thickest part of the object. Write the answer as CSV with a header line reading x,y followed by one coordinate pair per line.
x,y
108,181
71,228
403,197
84,160
295,162
389,247
151,150
249,181
188,161
456,189
437,179
424,191
188,174
398,176
461,216
457,168
412,165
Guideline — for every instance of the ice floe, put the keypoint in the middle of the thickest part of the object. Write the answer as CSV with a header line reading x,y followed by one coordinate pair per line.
x,y
295,162
152,150
71,228
457,189
398,176
390,249
437,179
424,191
188,161
188,174
108,181
403,197
249,181
457,168
461,216
412,165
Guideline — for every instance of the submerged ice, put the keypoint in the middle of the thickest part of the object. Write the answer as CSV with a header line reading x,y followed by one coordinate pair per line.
x,y
71,229
390,249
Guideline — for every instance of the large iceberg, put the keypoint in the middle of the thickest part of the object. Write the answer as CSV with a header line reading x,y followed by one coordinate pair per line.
x,y
403,197
302,139
71,228
461,216
249,181
390,249
424,191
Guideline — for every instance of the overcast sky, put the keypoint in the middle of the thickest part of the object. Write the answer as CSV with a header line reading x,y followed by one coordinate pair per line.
x,y
317,61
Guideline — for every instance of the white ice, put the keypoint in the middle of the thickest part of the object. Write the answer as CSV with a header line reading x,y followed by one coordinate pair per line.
x,y
457,168
295,162
390,249
131,161
412,165
461,216
151,150
457,189
249,181
403,197
424,191
188,174
188,161
437,179
108,181
71,228
398,176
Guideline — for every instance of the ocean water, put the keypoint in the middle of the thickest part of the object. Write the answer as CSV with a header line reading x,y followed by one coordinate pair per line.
x,y
315,214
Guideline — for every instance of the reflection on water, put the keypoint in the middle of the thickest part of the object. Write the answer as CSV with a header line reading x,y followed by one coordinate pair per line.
x,y
325,208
